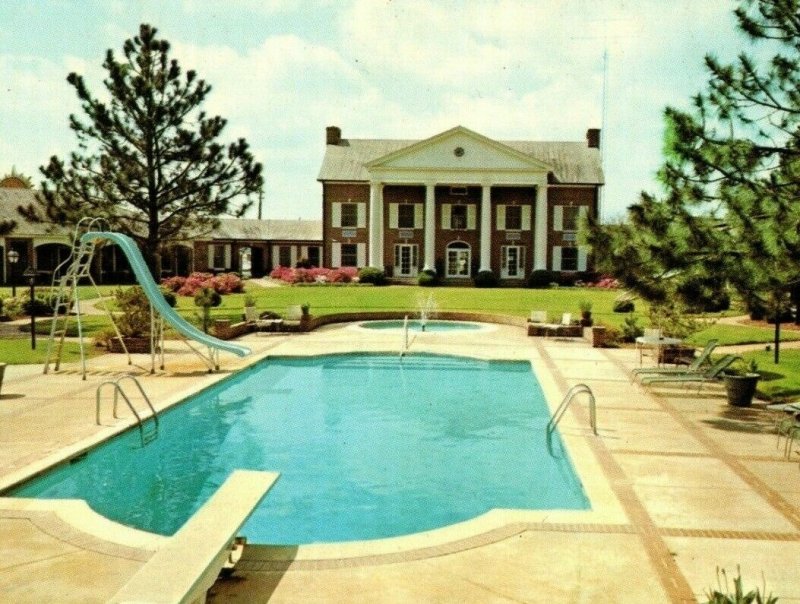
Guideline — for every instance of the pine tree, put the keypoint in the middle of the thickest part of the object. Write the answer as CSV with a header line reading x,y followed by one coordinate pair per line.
x,y
731,174
148,160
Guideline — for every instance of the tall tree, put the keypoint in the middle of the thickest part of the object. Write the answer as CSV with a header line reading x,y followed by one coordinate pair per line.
x,y
148,160
732,180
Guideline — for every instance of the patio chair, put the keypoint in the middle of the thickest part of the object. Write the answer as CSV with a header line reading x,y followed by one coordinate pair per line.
x,y
693,367
787,424
709,375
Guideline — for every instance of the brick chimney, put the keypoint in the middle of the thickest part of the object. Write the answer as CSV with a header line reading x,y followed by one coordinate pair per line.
x,y
593,138
333,135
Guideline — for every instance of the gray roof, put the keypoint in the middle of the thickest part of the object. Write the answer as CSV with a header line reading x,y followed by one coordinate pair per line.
x,y
573,162
11,199
273,230
229,228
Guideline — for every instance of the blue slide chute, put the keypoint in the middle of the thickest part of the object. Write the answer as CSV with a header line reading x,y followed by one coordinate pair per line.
x,y
153,293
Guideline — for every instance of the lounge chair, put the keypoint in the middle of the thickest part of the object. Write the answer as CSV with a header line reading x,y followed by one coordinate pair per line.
x,y
709,375
695,366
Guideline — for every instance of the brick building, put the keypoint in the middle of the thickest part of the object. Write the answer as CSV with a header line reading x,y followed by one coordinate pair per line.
x,y
458,202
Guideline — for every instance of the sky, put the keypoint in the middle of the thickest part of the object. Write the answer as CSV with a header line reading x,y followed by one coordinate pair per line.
x,y
283,70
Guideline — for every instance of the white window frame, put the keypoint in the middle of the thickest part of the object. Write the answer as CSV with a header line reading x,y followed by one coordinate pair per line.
x,y
458,254
336,215
582,258
413,251
226,255
520,264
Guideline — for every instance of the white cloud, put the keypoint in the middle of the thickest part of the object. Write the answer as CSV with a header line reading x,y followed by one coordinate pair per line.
x,y
510,69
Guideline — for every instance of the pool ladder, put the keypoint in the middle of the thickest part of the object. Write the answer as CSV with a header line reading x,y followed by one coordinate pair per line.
x,y
562,408
147,435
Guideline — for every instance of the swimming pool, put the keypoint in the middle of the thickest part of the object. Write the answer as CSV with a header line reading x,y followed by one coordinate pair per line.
x,y
417,325
368,446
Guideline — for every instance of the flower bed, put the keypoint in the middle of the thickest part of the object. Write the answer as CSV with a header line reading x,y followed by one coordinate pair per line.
x,y
346,274
224,283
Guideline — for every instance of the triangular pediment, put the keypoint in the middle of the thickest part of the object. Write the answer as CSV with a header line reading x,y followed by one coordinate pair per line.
x,y
458,149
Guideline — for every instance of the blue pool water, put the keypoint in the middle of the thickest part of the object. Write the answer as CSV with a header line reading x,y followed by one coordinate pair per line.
x,y
367,447
416,325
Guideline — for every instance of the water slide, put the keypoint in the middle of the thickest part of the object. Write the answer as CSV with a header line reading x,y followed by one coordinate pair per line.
x,y
151,289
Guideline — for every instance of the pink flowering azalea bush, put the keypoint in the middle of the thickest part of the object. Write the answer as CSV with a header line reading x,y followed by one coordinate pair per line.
x,y
224,283
605,282
345,274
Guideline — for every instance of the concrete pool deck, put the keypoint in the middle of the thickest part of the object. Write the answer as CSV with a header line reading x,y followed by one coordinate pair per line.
x,y
680,484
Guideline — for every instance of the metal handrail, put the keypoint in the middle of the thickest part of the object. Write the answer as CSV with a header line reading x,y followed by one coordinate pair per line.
x,y
118,391
571,394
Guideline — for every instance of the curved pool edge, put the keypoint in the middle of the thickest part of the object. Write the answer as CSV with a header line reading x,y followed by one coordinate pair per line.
x,y
490,527
74,522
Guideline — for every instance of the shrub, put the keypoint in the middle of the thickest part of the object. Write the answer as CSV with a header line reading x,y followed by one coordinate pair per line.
x,y
372,275
169,297
40,307
605,282
540,279
737,595
206,298
227,283
624,304
173,284
428,278
345,274
630,329
224,283
485,279
566,279
613,337
134,320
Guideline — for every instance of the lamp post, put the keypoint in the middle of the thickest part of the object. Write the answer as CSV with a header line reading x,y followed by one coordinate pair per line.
x,y
30,273
13,258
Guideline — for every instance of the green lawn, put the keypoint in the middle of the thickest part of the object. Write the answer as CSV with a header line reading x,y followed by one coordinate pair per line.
x,y
505,301
325,300
85,292
778,382
18,351
740,334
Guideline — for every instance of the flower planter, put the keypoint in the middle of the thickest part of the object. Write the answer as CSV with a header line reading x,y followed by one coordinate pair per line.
x,y
741,388
676,355
136,345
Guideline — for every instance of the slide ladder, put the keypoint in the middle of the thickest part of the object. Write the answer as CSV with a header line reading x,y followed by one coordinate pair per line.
x,y
66,278
87,234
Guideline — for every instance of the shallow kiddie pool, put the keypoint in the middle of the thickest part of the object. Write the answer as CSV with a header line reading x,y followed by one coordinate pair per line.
x,y
418,325
368,446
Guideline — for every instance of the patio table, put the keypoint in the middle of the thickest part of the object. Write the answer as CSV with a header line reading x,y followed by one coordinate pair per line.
x,y
657,344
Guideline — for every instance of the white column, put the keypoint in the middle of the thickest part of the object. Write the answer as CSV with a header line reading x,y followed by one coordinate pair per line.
x,y
376,225
430,226
486,227
540,229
